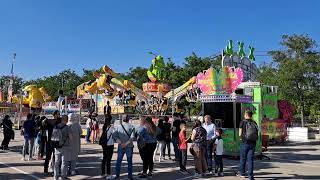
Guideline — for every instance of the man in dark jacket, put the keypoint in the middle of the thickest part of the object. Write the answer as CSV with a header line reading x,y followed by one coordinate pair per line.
x,y
48,125
167,129
175,135
7,132
29,133
107,109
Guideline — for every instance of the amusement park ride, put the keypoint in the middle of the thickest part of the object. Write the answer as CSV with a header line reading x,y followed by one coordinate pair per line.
x,y
224,93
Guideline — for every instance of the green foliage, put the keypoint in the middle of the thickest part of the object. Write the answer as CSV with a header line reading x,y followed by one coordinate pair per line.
x,y
193,65
137,75
296,72
66,80
267,74
195,109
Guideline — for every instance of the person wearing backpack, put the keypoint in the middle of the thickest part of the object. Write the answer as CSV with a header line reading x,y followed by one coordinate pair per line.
x,y
107,143
60,139
48,126
29,133
75,144
248,132
124,135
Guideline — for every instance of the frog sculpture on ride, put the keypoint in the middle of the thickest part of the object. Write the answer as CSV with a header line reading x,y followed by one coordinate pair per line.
x,y
156,68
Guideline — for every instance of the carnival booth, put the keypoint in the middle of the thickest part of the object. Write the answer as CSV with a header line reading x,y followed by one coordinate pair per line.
x,y
225,96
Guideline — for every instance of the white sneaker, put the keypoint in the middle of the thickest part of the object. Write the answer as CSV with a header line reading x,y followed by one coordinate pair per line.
x,y
73,173
216,174
197,175
110,177
220,174
31,159
23,159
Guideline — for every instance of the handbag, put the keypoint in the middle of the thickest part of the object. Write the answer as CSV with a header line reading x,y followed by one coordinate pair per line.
x,y
103,139
192,152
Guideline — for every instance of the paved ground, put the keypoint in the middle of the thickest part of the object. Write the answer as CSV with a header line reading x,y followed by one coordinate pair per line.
x,y
290,161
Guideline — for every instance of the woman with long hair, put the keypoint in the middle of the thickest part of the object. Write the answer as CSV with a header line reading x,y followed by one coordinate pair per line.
x,y
199,139
107,144
147,133
95,128
161,143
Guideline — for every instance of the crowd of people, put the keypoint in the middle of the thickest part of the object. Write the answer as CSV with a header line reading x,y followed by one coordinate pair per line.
x,y
59,139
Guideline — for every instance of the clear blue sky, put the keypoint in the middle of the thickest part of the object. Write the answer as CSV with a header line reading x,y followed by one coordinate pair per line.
x,y
49,36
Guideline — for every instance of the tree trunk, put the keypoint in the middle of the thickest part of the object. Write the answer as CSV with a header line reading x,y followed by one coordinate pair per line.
x,y
302,111
302,116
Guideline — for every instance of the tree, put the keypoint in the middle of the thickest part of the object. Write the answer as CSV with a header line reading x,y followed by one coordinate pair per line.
x,y
66,80
193,65
298,71
137,75
267,74
88,75
172,74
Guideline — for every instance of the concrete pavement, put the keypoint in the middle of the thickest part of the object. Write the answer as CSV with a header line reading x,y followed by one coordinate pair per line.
x,y
289,161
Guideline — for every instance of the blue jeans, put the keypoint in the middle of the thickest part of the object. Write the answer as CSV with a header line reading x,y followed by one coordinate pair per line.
x,y
129,153
28,147
246,155
88,135
61,165
175,142
209,154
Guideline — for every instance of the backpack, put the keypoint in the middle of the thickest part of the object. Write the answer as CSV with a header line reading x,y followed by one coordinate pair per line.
x,y
251,133
57,138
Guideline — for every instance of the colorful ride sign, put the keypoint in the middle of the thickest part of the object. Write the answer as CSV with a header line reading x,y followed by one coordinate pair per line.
x,y
219,81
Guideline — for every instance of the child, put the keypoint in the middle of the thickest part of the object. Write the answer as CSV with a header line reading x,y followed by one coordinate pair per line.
x,y
183,146
218,149
38,146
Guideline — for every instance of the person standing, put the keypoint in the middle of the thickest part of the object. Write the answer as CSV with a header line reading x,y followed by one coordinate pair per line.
x,y
29,133
148,133
75,144
95,128
107,109
124,135
175,136
167,130
7,132
48,125
43,138
183,146
63,151
89,125
218,148
211,134
107,144
248,132
160,141
199,139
